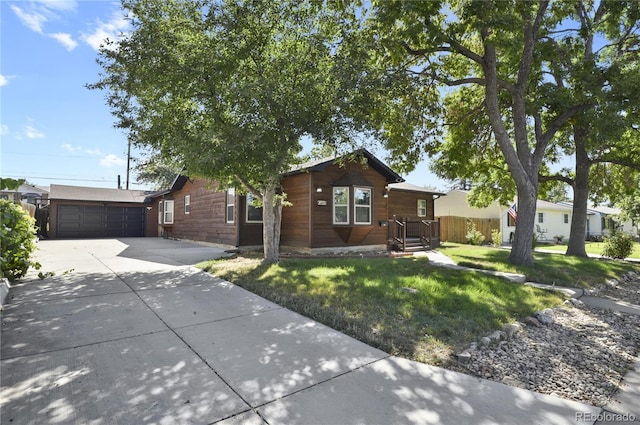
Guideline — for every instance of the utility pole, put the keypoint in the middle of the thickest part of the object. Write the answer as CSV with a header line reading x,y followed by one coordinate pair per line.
x,y
128,162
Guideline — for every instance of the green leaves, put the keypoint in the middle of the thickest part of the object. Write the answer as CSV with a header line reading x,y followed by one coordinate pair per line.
x,y
17,241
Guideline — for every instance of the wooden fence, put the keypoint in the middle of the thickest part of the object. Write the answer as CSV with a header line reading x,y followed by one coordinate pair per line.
x,y
454,229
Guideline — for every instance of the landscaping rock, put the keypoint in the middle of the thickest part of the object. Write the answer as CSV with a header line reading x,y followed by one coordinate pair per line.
x,y
582,359
532,321
575,302
513,381
485,341
510,329
464,357
497,336
612,283
544,318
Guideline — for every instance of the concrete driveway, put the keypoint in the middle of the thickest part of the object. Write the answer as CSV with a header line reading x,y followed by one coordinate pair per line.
x,y
128,332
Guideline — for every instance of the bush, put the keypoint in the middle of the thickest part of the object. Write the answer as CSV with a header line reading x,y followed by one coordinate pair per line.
x,y
496,237
474,237
618,246
17,241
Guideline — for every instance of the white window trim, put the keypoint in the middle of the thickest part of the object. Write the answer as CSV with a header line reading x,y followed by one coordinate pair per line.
x,y
230,218
356,206
246,209
334,205
187,204
425,207
168,208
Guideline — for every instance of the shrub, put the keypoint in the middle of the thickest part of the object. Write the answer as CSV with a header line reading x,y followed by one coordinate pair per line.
x,y
496,237
474,237
617,246
17,240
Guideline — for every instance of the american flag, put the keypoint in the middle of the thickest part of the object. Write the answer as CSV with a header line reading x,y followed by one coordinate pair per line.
x,y
513,211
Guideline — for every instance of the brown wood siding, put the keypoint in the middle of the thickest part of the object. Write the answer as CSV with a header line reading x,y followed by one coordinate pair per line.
x,y
206,220
404,204
325,234
295,219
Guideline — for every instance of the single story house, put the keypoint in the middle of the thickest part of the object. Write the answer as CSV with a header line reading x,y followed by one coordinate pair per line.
x,y
552,220
29,193
334,205
89,212
601,220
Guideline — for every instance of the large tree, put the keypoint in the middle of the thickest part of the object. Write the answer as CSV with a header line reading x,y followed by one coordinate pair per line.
x,y
492,46
593,59
227,89
502,79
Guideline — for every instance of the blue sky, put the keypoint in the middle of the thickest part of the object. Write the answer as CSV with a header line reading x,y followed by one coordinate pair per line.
x,y
53,129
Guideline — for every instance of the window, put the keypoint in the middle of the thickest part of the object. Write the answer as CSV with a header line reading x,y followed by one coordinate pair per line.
x,y
254,214
340,205
540,217
187,204
565,218
422,207
511,222
362,204
168,212
231,205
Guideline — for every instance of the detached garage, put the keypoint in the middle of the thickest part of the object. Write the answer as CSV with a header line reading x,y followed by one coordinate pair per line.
x,y
89,212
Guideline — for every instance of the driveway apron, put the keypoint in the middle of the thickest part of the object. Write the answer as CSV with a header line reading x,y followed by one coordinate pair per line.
x,y
127,331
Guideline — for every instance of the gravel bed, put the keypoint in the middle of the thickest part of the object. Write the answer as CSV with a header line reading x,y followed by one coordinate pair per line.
x,y
581,356
625,289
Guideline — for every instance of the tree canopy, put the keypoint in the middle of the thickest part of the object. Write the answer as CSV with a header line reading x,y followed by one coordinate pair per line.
x,y
226,89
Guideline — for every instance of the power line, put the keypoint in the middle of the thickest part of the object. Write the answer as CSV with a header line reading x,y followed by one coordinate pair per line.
x,y
60,178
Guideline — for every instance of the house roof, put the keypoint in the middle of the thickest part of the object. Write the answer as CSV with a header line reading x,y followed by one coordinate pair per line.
x,y
79,193
546,205
29,188
320,164
413,188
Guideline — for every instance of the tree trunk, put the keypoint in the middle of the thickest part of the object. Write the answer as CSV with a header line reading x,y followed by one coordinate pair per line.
x,y
521,250
580,195
271,222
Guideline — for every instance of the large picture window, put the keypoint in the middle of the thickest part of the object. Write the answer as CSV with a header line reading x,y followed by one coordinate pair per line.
x,y
340,205
422,207
362,204
168,212
254,214
231,205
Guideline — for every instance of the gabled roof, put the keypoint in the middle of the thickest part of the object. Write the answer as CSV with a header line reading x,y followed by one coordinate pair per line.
x,y
79,193
413,188
320,164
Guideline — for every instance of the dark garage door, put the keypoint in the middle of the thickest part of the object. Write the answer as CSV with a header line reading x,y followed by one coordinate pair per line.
x,y
81,221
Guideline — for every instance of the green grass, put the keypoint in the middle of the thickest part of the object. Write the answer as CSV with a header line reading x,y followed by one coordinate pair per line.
x,y
365,299
592,248
548,268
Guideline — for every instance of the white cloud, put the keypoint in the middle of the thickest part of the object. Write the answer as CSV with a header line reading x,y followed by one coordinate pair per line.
x,y
32,19
65,39
112,160
36,13
4,79
4,130
111,30
32,133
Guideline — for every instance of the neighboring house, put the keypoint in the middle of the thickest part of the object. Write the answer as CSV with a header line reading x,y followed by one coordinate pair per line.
x,y
31,194
551,220
89,212
334,205
601,220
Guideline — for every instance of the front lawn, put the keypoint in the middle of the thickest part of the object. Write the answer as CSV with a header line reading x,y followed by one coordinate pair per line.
x,y
404,306
592,248
548,268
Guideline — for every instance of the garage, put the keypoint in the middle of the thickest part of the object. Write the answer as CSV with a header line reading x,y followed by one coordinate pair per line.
x,y
84,212
85,221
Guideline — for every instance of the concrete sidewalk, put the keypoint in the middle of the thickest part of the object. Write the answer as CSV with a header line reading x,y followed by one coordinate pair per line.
x,y
127,332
